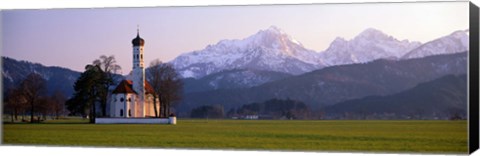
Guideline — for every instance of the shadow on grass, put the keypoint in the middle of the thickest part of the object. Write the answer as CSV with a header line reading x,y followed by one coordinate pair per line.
x,y
45,123
59,121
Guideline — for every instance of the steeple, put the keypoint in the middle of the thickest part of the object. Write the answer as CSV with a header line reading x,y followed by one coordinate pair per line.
x,y
137,41
138,74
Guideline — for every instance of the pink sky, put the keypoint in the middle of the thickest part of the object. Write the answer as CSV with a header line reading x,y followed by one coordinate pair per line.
x,y
73,38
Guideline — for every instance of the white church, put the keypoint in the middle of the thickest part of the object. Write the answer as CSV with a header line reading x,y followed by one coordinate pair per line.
x,y
133,97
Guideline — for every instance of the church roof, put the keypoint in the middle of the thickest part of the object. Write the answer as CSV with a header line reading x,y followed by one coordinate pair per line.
x,y
148,88
126,87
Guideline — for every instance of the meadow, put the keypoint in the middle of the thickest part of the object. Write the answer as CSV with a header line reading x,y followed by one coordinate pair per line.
x,y
284,135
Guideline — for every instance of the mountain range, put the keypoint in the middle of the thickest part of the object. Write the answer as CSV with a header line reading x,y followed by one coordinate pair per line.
x,y
58,78
369,45
455,42
442,97
274,50
268,50
335,84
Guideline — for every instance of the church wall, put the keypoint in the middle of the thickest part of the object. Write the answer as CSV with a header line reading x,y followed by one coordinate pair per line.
x,y
149,110
111,106
148,106
121,104
131,105
117,105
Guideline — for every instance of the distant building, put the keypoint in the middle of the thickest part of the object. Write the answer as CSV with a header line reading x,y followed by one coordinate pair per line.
x,y
251,117
133,97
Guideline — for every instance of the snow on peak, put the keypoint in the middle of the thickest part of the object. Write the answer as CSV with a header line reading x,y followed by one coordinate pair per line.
x,y
371,31
272,37
460,34
274,29
373,34
338,41
269,49
368,45
455,42
272,49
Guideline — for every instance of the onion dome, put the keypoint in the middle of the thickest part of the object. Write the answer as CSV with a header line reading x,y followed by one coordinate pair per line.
x,y
137,41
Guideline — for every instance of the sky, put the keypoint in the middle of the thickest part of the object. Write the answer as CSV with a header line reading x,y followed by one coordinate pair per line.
x,y
73,38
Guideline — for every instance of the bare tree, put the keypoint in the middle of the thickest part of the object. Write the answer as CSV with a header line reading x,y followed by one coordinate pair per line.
x,y
109,66
15,103
43,107
153,76
57,104
167,84
32,88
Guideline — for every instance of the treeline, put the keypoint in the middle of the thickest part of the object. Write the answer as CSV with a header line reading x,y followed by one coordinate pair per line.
x,y
30,98
273,109
215,111
270,109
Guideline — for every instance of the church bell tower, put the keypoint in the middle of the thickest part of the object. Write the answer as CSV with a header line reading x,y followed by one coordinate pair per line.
x,y
138,75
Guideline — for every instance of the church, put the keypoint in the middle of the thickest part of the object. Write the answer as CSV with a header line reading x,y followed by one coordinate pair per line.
x,y
133,97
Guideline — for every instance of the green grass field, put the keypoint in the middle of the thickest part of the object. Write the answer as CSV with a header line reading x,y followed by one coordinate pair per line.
x,y
351,136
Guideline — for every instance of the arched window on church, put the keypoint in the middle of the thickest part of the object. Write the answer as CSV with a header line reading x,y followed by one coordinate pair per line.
x,y
121,99
129,112
121,112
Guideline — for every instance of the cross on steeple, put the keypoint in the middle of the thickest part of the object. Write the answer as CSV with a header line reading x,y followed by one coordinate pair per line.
x,y
138,30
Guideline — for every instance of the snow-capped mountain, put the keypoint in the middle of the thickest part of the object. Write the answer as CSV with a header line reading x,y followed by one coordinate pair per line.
x,y
453,43
274,50
268,50
369,45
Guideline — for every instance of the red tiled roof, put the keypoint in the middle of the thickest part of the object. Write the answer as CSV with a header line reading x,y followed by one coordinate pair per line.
x,y
126,87
148,88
